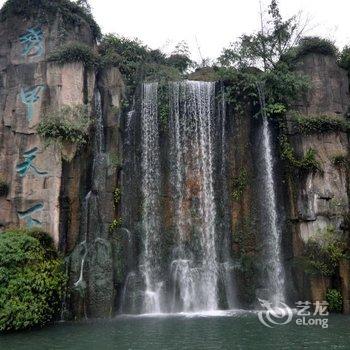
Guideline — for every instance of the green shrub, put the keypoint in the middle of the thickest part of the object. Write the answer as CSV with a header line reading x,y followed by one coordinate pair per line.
x,y
204,74
323,252
136,61
344,59
116,223
126,54
239,184
4,187
45,11
75,52
340,161
116,196
31,280
308,163
335,300
179,61
163,103
240,87
114,160
314,44
275,109
160,73
283,85
320,124
68,124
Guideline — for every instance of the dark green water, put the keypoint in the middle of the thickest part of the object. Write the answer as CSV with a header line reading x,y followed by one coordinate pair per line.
x,y
235,332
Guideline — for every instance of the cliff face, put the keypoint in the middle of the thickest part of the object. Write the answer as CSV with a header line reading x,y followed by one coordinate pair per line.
x,y
320,200
29,86
45,189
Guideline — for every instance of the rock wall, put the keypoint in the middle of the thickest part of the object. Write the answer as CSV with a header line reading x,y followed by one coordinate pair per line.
x,y
321,199
30,86
48,184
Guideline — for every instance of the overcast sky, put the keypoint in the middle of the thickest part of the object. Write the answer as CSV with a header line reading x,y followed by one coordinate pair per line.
x,y
212,24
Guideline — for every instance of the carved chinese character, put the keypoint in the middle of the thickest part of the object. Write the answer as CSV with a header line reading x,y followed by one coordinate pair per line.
x,y
29,96
24,167
27,215
32,41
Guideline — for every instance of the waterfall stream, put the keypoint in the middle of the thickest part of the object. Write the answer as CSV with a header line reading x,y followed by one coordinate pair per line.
x,y
275,272
92,257
185,276
150,164
180,228
194,270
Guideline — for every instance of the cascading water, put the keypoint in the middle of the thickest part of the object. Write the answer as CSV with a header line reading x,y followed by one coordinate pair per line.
x,y
93,270
183,262
194,269
87,200
275,271
227,267
150,164
128,201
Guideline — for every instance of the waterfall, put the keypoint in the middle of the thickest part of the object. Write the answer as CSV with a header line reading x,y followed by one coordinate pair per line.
x,y
91,260
150,165
90,197
130,291
227,266
99,130
275,272
183,260
194,269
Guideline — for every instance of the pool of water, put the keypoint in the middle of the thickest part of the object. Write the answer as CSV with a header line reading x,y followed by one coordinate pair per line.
x,y
239,330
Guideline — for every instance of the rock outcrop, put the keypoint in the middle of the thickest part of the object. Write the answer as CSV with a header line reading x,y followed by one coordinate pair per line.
x,y
31,86
320,200
48,183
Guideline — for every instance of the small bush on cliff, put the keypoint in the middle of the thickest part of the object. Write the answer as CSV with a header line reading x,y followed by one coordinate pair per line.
x,y
4,187
127,55
116,223
314,44
344,58
239,184
323,252
335,300
75,52
69,124
320,124
45,11
31,280
308,163
340,160
138,62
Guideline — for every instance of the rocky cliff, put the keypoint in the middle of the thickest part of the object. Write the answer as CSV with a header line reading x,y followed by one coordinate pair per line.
x,y
319,200
47,183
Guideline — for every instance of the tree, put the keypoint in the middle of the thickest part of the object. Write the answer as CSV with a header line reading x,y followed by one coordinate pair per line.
x,y
181,48
84,4
265,48
32,280
180,57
